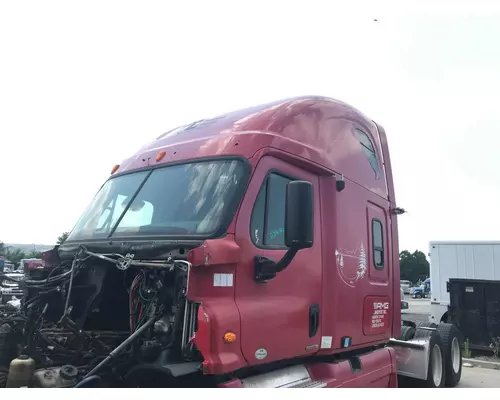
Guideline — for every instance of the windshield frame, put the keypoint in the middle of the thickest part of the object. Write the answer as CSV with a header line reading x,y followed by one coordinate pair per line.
x,y
221,230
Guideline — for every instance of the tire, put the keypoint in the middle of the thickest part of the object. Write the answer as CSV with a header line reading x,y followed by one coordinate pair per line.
x,y
436,370
434,363
425,324
423,333
452,344
444,318
407,333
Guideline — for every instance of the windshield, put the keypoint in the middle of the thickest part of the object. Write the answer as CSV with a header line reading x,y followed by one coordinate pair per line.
x,y
187,199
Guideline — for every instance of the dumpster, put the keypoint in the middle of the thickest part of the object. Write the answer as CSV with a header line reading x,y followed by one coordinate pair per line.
x,y
475,310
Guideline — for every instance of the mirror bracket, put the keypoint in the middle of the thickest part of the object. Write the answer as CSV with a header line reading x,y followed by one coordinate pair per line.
x,y
266,268
299,230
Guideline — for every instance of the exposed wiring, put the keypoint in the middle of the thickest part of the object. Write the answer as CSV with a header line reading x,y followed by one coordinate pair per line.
x,y
134,300
73,268
140,305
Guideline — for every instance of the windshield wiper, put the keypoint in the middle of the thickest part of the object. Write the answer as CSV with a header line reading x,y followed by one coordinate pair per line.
x,y
132,198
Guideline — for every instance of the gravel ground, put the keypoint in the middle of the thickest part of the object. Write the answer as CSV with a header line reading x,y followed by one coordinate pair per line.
x,y
487,358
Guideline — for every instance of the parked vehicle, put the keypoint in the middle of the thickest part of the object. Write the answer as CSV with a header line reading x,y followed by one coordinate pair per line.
x,y
33,268
255,249
422,291
459,260
31,264
6,266
418,292
406,285
11,286
404,304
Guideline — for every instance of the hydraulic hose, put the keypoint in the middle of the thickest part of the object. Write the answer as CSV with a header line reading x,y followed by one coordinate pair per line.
x,y
123,345
90,381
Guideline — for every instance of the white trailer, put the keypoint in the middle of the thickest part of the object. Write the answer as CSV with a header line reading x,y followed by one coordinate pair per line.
x,y
459,260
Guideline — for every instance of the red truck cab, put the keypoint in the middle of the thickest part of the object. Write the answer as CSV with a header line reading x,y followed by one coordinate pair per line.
x,y
293,208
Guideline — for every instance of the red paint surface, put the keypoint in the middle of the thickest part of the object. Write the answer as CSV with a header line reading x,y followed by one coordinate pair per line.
x,y
378,370
311,138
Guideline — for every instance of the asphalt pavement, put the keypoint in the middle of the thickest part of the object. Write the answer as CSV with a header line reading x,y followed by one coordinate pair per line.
x,y
479,378
419,309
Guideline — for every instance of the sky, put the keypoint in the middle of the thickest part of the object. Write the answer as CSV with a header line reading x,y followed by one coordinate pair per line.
x,y
84,85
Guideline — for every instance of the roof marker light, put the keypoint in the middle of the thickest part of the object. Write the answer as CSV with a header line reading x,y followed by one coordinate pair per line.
x,y
115,168
160,155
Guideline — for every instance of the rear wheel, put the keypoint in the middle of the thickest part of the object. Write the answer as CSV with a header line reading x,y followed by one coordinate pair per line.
x,y
444,318
450,336
424,324
436,375
437,364
407,333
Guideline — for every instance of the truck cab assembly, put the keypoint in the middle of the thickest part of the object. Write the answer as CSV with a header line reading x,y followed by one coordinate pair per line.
x,y
255,249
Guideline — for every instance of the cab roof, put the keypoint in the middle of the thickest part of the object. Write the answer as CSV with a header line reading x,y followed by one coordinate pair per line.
x,y
318,129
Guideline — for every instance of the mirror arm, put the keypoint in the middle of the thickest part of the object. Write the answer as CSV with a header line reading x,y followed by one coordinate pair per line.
x,y
266,268
286,259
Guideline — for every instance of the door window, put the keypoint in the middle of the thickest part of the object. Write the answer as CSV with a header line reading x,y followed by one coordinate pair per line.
x,y
267,223
378,244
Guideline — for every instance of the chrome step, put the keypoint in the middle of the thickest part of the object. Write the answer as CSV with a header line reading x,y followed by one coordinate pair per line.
x,y
296,377
308,385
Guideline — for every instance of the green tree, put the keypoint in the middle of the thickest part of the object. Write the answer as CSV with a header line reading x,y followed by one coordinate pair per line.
x,y
61,239
15,256
34,254
413,266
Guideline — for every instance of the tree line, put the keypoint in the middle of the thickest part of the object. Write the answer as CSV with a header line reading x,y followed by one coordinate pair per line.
x,y
414,267
16,255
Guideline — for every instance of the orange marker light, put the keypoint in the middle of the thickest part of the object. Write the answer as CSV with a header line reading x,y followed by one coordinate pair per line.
x,y
115,168
160,155
229,337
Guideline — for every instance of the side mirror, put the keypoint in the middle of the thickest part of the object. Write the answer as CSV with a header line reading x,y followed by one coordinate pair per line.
x,y
299,228
299,215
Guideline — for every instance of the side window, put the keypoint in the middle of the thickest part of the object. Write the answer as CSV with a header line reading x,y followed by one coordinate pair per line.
x,y
378,244
267,224
369,151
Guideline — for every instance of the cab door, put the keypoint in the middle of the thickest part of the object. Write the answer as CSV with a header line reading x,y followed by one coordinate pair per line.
x,y
280,318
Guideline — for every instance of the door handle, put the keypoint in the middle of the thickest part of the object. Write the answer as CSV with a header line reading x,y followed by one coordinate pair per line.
x,y
313,319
